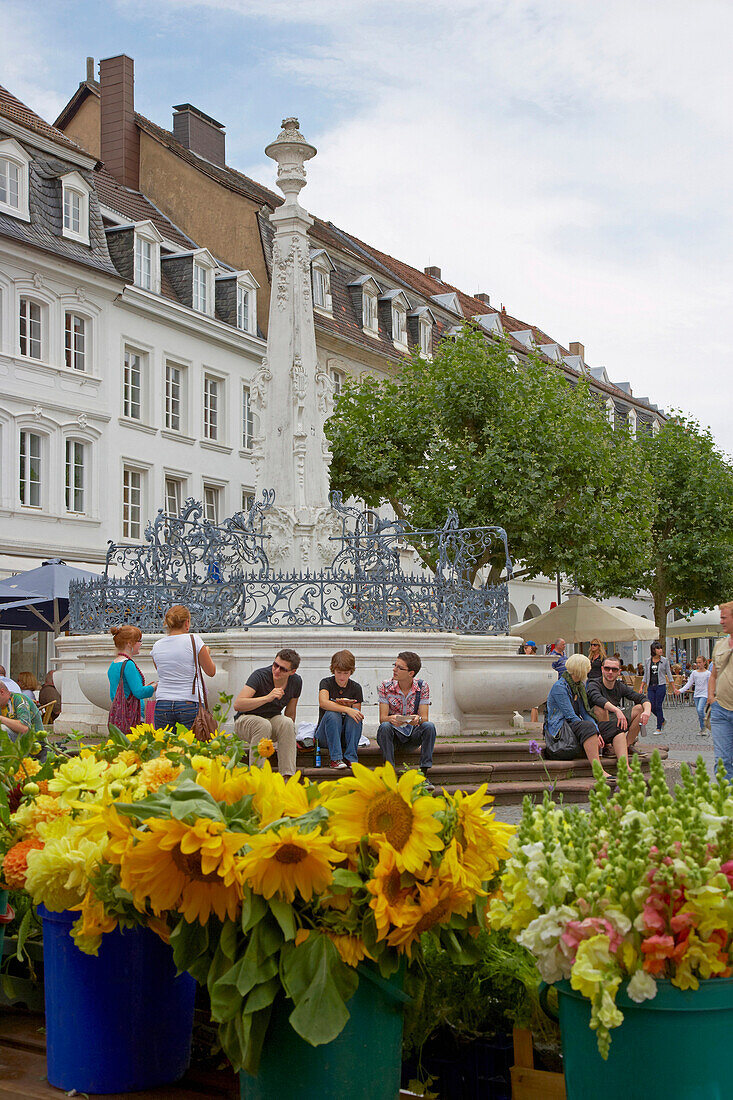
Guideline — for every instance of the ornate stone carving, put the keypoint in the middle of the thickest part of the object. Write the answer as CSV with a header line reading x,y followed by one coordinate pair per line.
x,y
280,266
260,385
81,294
37,280
299,380
258,456
82,420
324,392
37,412
291,151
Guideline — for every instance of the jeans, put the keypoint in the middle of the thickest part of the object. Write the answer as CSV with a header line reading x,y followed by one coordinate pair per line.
x,y
721,728
423,735
701,701
168,712
340,735
656,698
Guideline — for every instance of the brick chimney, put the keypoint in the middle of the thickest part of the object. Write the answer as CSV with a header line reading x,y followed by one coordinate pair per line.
x,y
481,297
434,273
199,132
120,137
577,349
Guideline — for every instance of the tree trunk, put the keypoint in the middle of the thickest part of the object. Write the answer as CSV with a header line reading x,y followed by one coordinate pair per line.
x,y
660,615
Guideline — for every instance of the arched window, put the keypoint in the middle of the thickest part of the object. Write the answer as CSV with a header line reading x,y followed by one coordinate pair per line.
x,y
14,168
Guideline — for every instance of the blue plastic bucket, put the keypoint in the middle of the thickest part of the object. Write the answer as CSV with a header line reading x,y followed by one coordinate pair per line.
x,y
118,1022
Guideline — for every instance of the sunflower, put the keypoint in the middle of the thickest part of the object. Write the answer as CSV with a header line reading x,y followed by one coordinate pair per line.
x,y
274,798
382,807
88,930
15,864
223,784
391,891
190,868
482,840
439,900
283,861
350,948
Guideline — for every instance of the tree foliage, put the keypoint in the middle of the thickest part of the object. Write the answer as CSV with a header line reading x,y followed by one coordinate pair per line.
x,y
502,443
689,563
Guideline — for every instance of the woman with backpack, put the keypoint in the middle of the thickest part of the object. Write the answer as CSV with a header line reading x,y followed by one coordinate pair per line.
x,y
126,682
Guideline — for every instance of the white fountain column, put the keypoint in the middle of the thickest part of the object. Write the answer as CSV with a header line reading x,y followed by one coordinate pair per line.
x,y
291,397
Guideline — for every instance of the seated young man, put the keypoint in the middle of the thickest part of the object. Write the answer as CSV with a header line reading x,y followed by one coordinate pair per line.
x,y
257,709
339,716
620,710
403,712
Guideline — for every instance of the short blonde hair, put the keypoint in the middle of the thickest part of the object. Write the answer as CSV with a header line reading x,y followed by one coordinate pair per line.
x,y
728,606
578,663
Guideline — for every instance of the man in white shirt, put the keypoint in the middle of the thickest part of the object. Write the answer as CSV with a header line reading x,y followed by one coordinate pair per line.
x,y
720,693
9,684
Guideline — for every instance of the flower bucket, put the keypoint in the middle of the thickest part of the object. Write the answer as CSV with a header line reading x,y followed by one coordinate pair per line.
x,y
117,1022
7,914
673,1045
362,1063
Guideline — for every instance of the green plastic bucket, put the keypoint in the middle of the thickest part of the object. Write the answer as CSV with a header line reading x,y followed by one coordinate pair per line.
x,y
6,916
362,1063
672,1046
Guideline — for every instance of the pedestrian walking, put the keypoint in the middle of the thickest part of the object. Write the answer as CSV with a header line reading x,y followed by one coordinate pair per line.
x,y
596,656
657,674
699,678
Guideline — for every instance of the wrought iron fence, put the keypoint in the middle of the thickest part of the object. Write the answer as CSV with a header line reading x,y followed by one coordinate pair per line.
x,y
222,573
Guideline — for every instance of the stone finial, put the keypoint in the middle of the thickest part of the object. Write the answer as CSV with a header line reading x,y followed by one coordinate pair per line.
x,y
291,151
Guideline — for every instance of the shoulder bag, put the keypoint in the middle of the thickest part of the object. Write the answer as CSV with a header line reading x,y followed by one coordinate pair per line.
x,y
125,710
204,724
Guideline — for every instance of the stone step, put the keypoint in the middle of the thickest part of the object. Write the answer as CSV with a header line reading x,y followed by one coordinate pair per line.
x,y
512,794
470,752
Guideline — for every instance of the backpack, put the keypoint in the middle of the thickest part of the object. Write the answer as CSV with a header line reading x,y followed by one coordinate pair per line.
x,y
125,710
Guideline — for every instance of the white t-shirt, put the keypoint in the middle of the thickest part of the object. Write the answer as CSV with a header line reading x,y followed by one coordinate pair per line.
x,y
173,656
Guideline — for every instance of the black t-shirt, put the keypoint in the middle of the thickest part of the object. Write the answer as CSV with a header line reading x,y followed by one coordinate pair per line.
x,y
350,690
599,694
654,674
595,669
261,680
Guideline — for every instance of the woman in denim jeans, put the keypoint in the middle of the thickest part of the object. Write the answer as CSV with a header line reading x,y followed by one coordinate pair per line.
x,y
176,699
657,673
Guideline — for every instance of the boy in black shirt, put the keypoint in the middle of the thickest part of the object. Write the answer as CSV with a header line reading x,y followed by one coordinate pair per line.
x,y
627,710
339,717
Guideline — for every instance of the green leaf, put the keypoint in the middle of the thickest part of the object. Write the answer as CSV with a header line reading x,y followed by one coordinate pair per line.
x,y
320,984
263,995
25,927
350,880
190,943
254,1030
254,907
228,939
283,913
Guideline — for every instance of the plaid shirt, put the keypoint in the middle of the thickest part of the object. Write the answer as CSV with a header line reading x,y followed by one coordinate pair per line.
x,y
391,694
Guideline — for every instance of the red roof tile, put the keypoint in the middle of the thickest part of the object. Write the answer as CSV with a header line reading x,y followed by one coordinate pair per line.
x,y
13,109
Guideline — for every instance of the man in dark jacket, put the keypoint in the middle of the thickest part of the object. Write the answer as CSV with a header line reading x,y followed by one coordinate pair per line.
x,y
620,710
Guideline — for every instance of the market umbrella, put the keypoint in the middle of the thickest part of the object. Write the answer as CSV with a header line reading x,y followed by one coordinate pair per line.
x,y
702,625
39,598
579,619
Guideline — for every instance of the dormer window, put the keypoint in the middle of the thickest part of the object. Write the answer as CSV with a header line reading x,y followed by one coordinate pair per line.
x,y
370,310
147,257
322,265
202,298
426,338
399,325
244,312
75,207
247,287
14,163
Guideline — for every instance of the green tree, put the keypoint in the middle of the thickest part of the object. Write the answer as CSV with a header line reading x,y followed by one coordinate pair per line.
x,y
504,443
689,563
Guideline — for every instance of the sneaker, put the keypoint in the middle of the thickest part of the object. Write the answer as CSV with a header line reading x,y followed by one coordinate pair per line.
x,y
657,733
429,787
338,764
704,733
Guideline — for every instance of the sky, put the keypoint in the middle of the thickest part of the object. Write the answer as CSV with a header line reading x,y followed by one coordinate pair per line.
x,y
571,159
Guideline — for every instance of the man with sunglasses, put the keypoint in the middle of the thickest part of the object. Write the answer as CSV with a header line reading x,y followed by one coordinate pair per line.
x,y
258,707
626,709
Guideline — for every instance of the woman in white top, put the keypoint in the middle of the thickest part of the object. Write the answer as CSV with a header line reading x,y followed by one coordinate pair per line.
x,y
176,697
699,677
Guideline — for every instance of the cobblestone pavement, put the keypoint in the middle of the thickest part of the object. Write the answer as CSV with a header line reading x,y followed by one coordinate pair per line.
x,y
680,733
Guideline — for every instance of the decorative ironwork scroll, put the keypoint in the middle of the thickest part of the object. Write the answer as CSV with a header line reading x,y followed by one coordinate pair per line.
x,y
384,576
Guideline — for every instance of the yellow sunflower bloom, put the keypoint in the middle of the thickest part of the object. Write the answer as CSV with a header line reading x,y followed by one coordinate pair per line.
x,y
221,783
392,892
379,805
190,868
439,899
350,948
483,841
88,930
121,832
287,861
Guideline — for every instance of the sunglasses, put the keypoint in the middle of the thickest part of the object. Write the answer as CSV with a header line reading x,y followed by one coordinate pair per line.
x,y
281,668
611,671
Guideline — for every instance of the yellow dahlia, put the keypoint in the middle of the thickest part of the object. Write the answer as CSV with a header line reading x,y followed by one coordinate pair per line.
x,y
350,948
283,861
189,868
130,758
76,777
28,767
58,874
378,805
265,748
439,900
157,772
392,891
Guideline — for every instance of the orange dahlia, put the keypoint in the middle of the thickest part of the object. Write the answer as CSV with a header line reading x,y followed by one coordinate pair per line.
x,y
15,864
